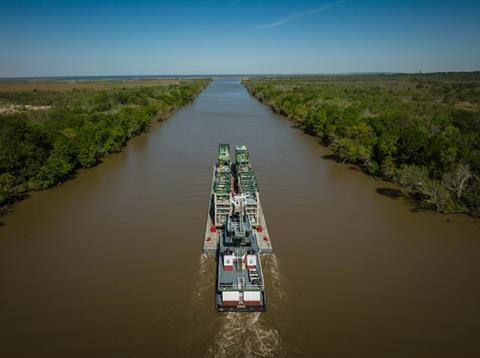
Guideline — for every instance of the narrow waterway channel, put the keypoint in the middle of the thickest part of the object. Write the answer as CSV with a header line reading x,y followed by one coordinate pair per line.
x,y
109,264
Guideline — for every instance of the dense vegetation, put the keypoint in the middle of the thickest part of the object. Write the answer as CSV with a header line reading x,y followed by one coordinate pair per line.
x,y
421,131
75,128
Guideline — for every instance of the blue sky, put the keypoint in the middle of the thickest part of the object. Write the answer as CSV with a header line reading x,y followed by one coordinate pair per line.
x,y
58,38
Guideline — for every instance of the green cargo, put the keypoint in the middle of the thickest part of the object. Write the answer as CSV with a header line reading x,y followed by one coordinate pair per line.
x,y
224,154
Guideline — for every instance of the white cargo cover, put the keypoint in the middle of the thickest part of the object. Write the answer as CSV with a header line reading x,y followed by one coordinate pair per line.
x,y
230,296
251,261
228,260
251,297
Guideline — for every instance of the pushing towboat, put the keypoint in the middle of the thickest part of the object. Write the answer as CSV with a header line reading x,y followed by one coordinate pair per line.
x,y
236,233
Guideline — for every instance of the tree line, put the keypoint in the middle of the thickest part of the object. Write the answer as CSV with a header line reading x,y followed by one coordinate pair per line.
x,y
421,131
39,149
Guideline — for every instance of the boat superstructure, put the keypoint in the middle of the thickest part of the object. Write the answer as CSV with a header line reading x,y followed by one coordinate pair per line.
x,y
236,233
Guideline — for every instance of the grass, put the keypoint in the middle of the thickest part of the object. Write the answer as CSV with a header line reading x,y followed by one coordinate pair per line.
x,y
22,85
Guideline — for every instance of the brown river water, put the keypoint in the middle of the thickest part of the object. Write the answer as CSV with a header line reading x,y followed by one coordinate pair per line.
x,y
110,264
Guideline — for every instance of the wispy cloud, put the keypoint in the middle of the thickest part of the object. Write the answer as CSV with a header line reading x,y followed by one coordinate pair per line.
x,y
299,15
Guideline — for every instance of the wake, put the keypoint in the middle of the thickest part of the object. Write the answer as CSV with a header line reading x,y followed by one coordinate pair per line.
x,y
205,282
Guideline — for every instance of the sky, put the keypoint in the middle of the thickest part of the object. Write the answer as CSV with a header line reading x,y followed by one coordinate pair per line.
x,y
86,38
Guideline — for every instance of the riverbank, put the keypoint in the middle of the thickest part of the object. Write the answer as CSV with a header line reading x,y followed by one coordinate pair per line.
x,y
78,124
420,131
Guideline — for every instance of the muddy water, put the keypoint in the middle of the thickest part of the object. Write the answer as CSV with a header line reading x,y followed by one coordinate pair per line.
x,y
109,264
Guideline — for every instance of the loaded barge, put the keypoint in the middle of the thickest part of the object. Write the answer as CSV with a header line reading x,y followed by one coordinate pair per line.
x,y
236,233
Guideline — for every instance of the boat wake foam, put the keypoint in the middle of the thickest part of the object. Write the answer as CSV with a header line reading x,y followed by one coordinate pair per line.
x,y
245,335
275,279
206,277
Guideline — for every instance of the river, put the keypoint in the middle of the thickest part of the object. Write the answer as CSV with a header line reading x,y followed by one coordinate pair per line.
x,y
109,263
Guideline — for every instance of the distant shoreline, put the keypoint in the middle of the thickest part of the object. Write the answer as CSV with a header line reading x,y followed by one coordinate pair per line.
x,y
210,75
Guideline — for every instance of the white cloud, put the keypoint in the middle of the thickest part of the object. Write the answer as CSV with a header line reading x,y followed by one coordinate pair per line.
x,y
299,15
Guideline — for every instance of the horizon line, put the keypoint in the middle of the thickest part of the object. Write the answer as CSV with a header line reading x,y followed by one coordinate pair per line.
x,y
173,75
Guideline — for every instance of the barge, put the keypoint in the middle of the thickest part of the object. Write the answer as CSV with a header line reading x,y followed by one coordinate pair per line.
x,y
236,233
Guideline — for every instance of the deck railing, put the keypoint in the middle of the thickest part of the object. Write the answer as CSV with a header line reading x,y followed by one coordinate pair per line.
x,y
228,287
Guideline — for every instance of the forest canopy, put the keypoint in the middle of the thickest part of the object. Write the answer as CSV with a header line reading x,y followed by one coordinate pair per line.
x,y
45,135
419,130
